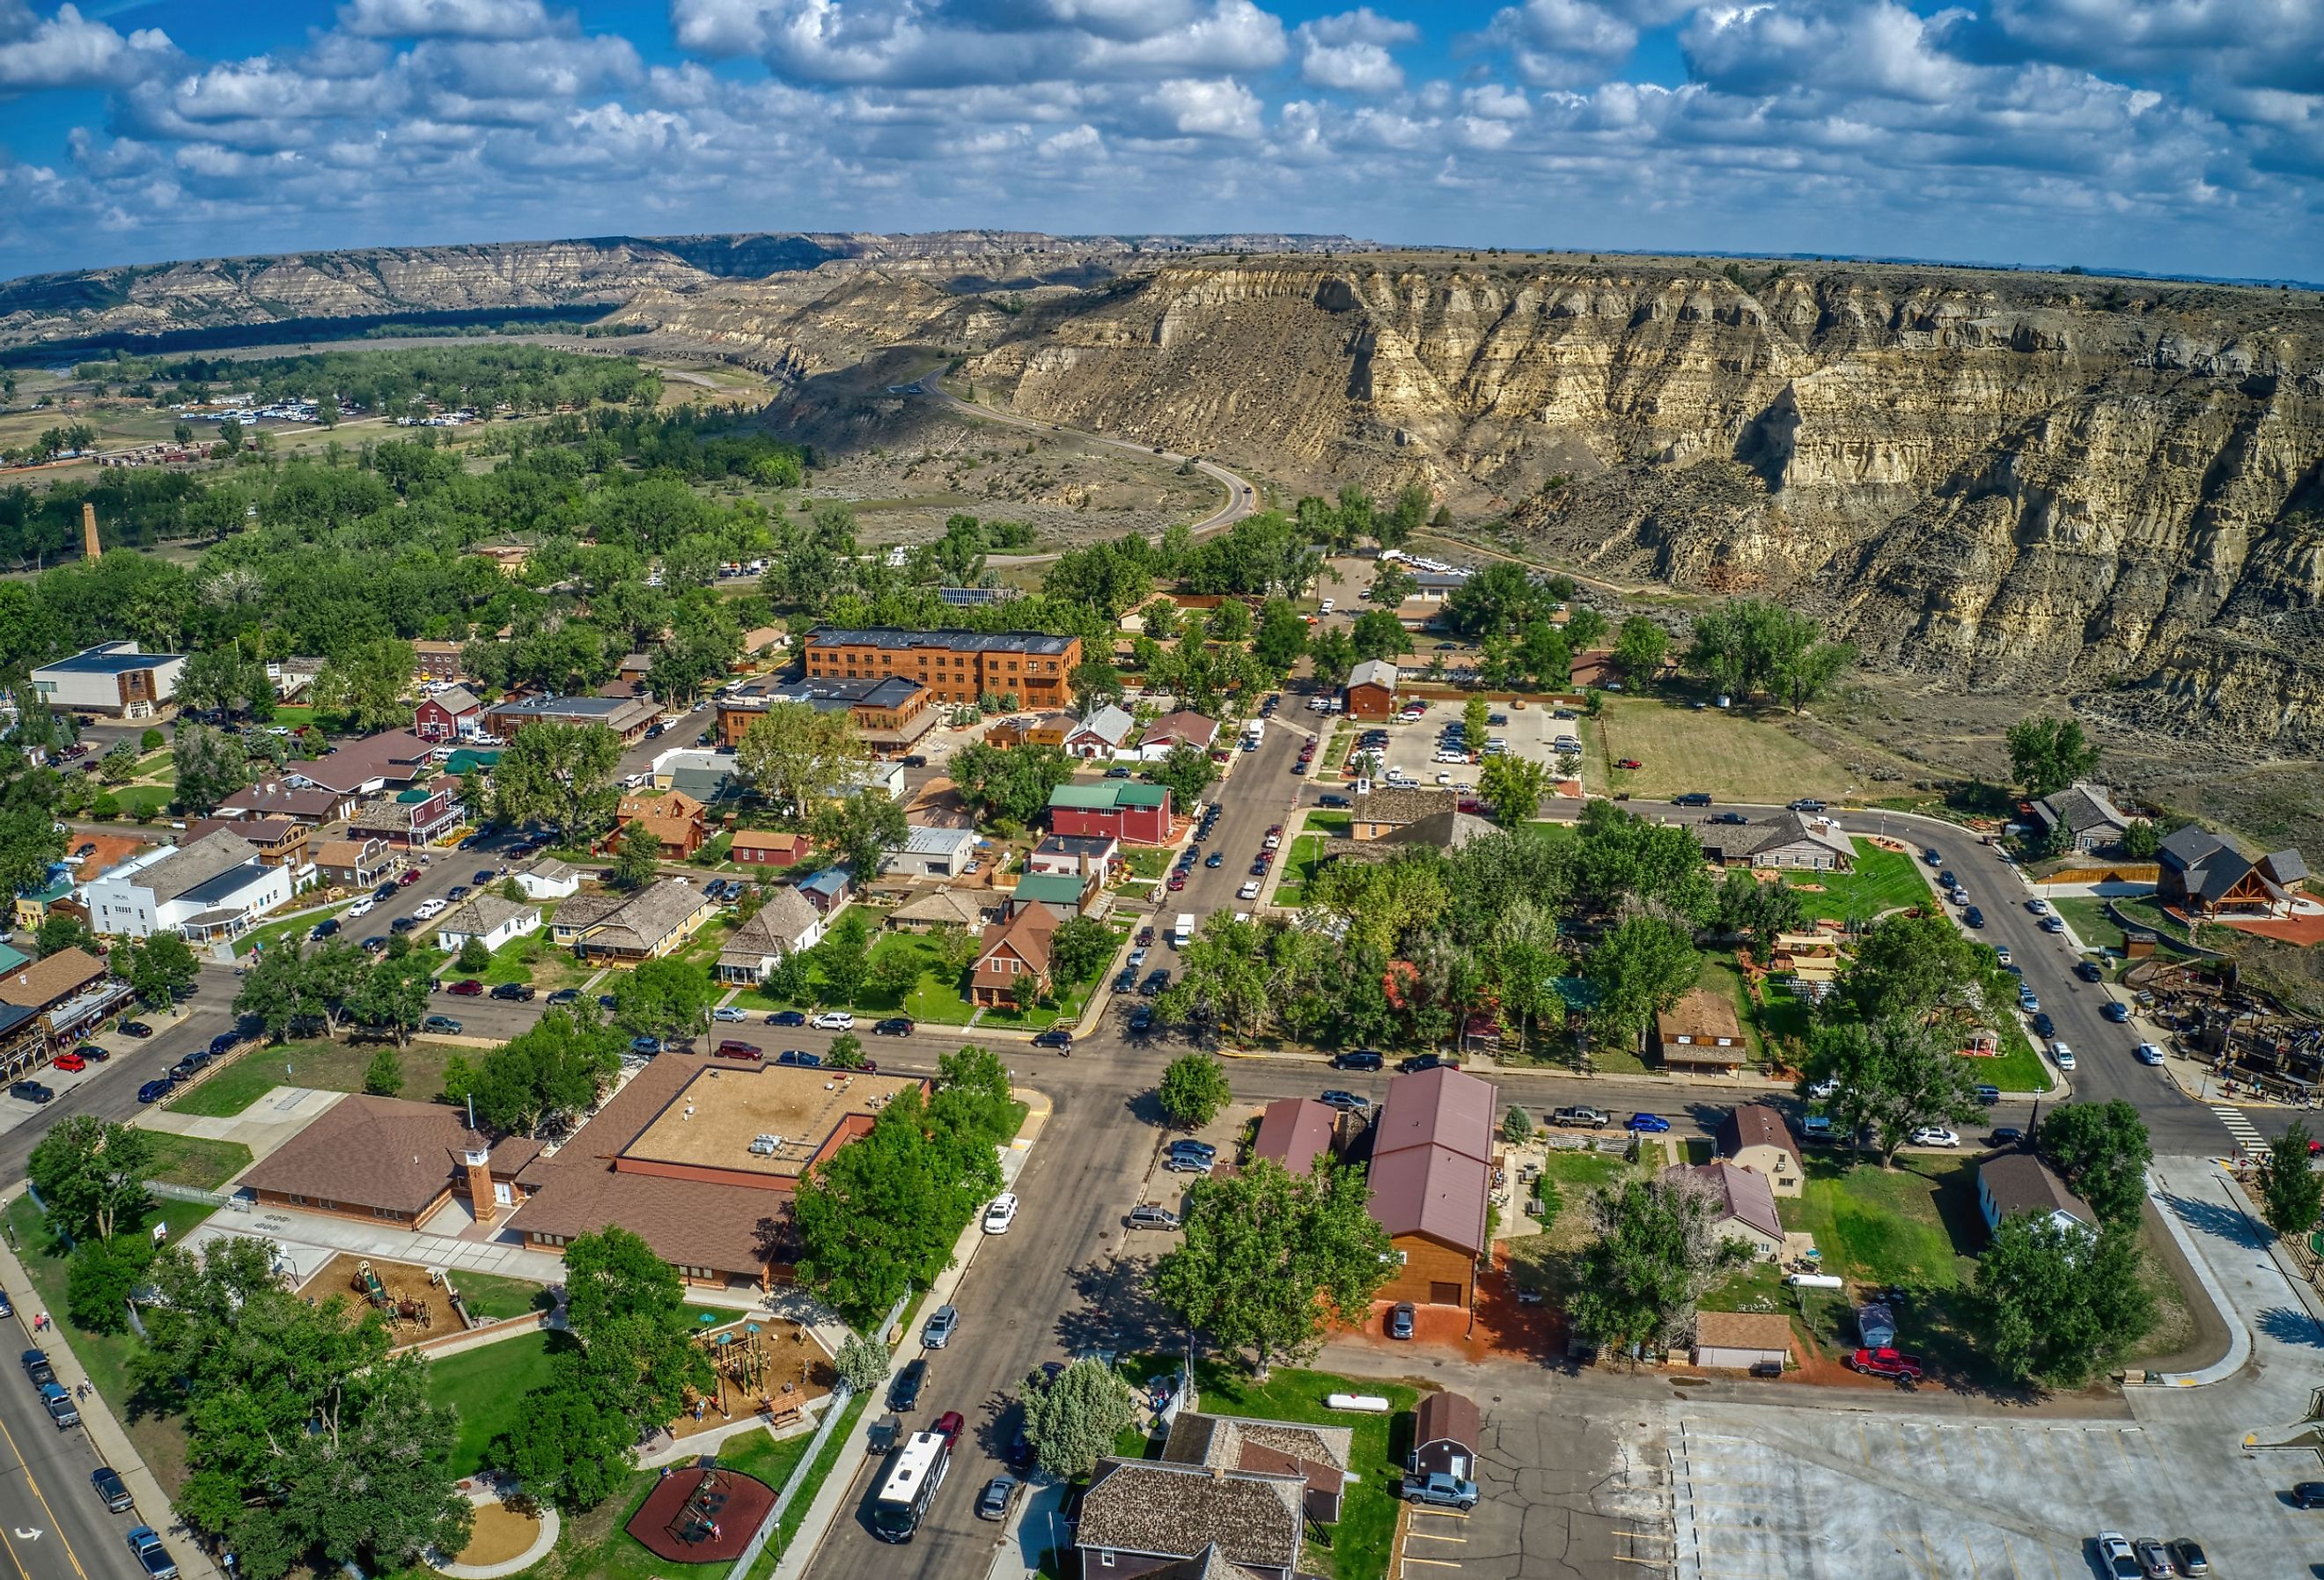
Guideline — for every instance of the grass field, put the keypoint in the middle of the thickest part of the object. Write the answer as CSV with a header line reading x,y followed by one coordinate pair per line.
x,y
487,1385
2088,916
496,1299
329,1066
1883,879
1304,855
196,1162
1721,974
1731,755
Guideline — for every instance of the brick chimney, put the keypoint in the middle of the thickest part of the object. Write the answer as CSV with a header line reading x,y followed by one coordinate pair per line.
x,y
89,546
479,1161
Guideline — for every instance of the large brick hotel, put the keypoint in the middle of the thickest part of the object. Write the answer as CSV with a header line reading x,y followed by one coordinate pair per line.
x,y
956,666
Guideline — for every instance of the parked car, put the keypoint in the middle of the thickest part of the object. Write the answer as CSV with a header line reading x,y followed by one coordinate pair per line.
x,y
1627,762
70,1063
937,1330
1647,1124
2147,1053
1156,980
2115,1556
36,1367
520,993
1988,1096
1583,1117
468,988
2053,924
1729,817
2154,1559
729,1014
111,1490
904,1393
2043,1026
1692,799
992,1499
137,1028
1346,1101
2308,1495
1361,1059
1199,1149
2088,970
1400,1320
155,1090
2061,1055
1448,1492
1186,1163
1973,918
1884,1363
1001,1214
800,1059
1126,979
893,1026
59,1403
2191,1556
834,1020
444,1023
1249,890
1935,1135
1428,1061
645,1045
1147,1216
151,1555
788,1017
1141,1020
747,1052
2115,1010
223,1044
2004,1135
31,1092
949,1426
565,995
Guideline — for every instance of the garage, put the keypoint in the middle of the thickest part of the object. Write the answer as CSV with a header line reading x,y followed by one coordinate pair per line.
x,y
1739,1341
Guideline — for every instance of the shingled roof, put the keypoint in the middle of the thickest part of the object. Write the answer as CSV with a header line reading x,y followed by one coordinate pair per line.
x,y
1176,1511
381,1153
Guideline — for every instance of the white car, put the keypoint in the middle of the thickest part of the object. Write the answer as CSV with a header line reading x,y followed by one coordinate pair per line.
x,y
1249,890
361,908
1272,842
1452,757
1934,1135
834,1020
1445,779
1001,1214
1827,1087
2116,1559
429,909
2038,906
2147,1053
2061,1055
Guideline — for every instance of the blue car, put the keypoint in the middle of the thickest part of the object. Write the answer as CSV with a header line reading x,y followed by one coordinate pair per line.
x,y
788,1017
646,1045
154,1091
1652,1124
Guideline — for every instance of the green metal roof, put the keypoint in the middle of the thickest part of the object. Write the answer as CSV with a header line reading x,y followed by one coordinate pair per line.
x,y
1084,798
464,759
11,959
1140,795
1578,992
1051,888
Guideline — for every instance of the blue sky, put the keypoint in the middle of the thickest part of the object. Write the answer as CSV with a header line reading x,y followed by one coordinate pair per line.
x,y
2159,134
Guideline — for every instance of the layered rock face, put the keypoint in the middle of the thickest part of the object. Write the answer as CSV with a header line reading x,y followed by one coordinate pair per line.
x,y
2034,483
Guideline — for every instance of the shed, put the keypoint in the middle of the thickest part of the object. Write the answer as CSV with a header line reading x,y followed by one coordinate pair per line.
x,y
1444,1434
1742,1339
1372,688
1294,1132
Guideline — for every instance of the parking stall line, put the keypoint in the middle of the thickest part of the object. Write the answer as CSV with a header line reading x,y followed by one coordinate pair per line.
x,y
1432,1563
1431,1536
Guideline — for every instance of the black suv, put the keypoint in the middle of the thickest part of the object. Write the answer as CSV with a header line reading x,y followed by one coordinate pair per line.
x,y
1362,1058
904,1393
521,991
893,1026
1692,799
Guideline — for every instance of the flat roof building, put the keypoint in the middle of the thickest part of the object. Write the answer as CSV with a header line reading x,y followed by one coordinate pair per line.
x,y
113,677
955,666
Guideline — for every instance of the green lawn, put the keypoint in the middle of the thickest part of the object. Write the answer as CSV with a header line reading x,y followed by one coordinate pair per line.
x,y
932,998
1721,974
487,1385
1915,1227
2017,1067
496,1299
1883,879
1360,1542
1148,862
1304,857
134,798
196,1162
794,1515
330,1067
2088,916
531,958
295,928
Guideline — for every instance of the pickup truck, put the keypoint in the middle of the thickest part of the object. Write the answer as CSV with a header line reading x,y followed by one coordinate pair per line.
x,y
1584,1118
59,1405
1890,1363
1448,1492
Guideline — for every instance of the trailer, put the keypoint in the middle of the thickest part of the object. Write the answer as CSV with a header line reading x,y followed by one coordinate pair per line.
x,y
1182,930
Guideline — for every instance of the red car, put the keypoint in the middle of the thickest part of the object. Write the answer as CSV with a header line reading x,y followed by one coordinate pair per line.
x,y
470,988
1894,1364
749,1053
71,1061
1629,762
408,879
951,1425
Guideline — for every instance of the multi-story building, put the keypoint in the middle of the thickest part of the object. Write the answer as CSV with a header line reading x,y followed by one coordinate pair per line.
x,y
956,666
890,713
112,677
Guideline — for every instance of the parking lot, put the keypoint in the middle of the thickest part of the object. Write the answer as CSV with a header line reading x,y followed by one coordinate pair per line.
x,y
1530,731
1800,1493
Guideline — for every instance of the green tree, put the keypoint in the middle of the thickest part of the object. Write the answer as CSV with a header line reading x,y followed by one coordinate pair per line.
x,y
1585,628
2047,754
637,862
1657,1248
2059,1301
1640,649
1759,911
666,998
1072,1417
1639,969
367,684
862,830
1331,655
1268,1260
473,957
91,1173
1392,583
211,766
159,969
2290,1190
1476,724
1378,633
1194,1089
2102,1151
844,957
1896,1075
893,973
561,774
1185,772
101,1277
59,930
1282,637
1080,946
2141,839
795,754
845,1052
383,1077
1513,786
574,1450
1907,967
974,1097
1230,622
1010,785
152,740
1517,1126
862,1362
391,996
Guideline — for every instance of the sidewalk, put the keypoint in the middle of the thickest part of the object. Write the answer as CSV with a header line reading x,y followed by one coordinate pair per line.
x,y
833,1492
263,1127
112,1443
2271,1315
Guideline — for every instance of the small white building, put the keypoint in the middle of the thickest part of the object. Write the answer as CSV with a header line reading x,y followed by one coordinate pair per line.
x,y
785,925
216,888
488,919
549,879
932,853
1105,733
113,677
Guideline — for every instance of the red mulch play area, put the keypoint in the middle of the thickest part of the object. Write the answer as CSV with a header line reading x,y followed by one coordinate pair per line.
x,y
702,1516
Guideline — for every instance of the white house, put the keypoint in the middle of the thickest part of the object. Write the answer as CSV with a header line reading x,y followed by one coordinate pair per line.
x,y
1104,734
932,853
549,879
785,925
489,919
215,887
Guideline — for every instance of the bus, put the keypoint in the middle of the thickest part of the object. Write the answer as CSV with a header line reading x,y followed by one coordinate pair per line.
x,y
913,1476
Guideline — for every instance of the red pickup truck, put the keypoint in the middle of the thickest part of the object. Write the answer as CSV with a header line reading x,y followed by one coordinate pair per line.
x,y
1893,1364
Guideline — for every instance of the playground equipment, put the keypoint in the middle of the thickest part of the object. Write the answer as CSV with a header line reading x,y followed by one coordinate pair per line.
x,y
410,1312
368,1286
752,1370
697,1519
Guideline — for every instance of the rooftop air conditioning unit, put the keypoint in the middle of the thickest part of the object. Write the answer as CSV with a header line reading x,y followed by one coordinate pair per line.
x,y
764,1146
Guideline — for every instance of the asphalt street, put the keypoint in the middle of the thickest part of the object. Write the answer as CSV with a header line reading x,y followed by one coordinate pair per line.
x,y
53,1525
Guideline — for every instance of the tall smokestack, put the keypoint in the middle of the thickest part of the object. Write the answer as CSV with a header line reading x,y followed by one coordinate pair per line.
x,y
89,544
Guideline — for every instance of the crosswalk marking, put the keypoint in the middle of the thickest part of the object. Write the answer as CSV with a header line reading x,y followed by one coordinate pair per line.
x,y
2246,1135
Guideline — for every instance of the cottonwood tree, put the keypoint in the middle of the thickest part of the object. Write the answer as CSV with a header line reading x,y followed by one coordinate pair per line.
x,y
844,957
1639,969
2060,1300
1078,948
91,1173
2292,1193
1010,785
1657,1249
794,754
664,998
562,774
2047,754
158,969
1268,1260
2102,1151
1896,1075
862,829
1072,1416
1513,787
211,765
1193,1088
1185,772
367,684
563,1065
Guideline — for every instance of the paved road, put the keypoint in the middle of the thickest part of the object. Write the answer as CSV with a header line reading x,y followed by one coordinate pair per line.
x,y
1241,499
51,1524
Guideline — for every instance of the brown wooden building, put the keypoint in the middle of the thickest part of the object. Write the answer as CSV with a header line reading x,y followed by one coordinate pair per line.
x,y
1431,1180
955,666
